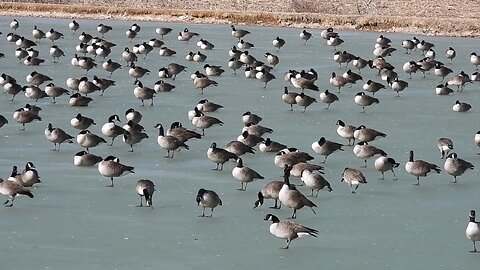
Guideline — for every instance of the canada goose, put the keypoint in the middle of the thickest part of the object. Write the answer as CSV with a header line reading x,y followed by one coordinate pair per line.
x,y
81,122
162,86
343,57
353,177
334,41
56,53
177,130
37,34
244,174
25,43
133,137
169,143
33,61
456,166
304,100
271,146
475,77
33,92
164,51
289,97
373,87
53,35
383,164
249,139
346,131
365,151
244,45
219,156
83,158
102,83
145,49
419,168
256,129
25,116
133,115
410,67
475,60
450,53
364,134
270,191
246,58
203,121
199,57
473,230
130,34
20,54
328,98
338,81
383,51
302,83
461,106
291,197
88,140
314,180
264,76
288,230
14,24
443,90
32,52
131,127
111,66
85,37
442,71
297,169
207,199
112,130
272,59
77,100
325,147
365,100
74,26
234,64
143,93
103,29
239,33
3,121
459,80
12,89
444,145
162,31
304,35
327,33
186,35
203,82
13,189
137,72
205,105
397,85
37,78
111,167
424,46
57,136
86,87
205,44
408,45
145,188
54,91
129,56
359,63
211,70
239,148
135,28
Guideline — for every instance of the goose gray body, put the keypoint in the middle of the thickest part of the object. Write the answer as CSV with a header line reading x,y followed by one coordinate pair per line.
x,y
88,140
473,230
283,158
133,137
290,197
57,136
419,168
270,191
219,155
12,190
364,134
383,164
346,131
325,147
81,122
271,146
145,188
298,168
84,159
315,181
365,151
444,145
169,143
111,167
288,230
353,178
239,148
200,120
177,130
244,174
205,105
208,199
25,116
112,130
365,100
456,166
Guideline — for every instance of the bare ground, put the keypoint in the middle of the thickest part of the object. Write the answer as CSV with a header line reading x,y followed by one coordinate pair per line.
x,y
429,17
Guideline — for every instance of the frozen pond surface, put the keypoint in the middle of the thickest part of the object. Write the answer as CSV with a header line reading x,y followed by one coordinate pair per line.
x,y
76,222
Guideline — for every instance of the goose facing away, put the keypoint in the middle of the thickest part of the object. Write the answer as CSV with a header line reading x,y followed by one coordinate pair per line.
x,y
325,147
111,167
270,191
315,181
419,168
208,199
383,164
288,230
353,177
291,197
145,188
473,230
12,190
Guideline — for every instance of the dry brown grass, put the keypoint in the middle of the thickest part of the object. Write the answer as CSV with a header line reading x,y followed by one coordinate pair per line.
x,y
417,17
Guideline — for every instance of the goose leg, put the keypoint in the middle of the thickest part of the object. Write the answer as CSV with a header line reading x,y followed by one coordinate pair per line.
x,y
111,179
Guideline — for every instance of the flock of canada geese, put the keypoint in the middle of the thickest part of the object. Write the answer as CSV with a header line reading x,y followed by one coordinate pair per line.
x,y
94,53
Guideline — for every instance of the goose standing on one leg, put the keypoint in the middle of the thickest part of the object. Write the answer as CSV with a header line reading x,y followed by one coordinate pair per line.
x,y
419,168
291,197
288,230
